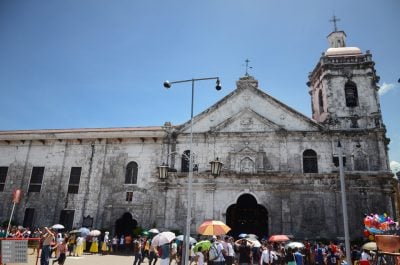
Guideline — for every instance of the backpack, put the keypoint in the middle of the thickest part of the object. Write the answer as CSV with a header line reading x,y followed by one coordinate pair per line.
x,y
213,253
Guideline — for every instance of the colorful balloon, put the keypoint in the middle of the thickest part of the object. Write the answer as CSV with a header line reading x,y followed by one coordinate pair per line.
x,y
367,221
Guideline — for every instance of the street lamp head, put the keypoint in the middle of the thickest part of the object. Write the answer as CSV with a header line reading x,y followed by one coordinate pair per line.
x,y
167,84
218,86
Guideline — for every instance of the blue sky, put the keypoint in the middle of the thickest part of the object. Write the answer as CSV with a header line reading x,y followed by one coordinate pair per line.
x,y
101,63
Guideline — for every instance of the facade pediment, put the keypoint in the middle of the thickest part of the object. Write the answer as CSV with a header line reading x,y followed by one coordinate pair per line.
x,y
246,120
248,109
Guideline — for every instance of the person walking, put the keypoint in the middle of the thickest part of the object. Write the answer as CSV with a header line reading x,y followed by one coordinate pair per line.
x,y
245,254
164,257
332,258
62,249
137,251
47,239
173,252
298,257
153,255
289,258
267,255
199,256
105,244
79,246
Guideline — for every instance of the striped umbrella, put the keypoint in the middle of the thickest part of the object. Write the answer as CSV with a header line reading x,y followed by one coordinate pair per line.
x,y
213,227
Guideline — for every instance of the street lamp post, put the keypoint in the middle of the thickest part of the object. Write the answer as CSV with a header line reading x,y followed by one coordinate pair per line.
x,y
167,85
344,204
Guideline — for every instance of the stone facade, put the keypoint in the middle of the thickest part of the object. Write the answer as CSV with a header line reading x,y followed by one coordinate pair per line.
x,y
280,172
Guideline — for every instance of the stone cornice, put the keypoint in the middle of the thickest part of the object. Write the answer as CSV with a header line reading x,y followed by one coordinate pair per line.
x,y
67,134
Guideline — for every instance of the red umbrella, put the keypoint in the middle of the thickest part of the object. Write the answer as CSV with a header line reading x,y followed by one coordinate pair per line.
x,y
278,238
213,227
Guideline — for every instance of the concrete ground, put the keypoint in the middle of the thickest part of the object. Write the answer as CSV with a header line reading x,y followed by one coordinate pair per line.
x,y
96,259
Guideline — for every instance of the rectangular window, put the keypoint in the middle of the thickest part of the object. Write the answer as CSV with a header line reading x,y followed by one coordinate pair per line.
x,y
28,218
3,177
74,179
336,161
129,196
36,179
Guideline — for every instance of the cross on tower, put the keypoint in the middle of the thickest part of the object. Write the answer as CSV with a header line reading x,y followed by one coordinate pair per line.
x,y
247,67
334,20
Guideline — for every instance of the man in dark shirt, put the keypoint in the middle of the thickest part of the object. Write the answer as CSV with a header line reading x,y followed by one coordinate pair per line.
x,y
244,249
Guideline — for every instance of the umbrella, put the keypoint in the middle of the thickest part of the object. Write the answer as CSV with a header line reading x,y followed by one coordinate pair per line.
x,y
74,232
242,235
162,238
145,233
84,231
205,245
294,245
370,246
191,240
94,233
58,226
252,236
278,238
154,231
255,242
213,227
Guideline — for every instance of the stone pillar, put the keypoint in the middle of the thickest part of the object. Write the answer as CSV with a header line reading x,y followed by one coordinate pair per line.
x,y
210,187
161,204
286,221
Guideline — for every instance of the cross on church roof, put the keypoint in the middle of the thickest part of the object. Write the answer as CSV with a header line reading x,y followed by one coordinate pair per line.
x,y
334,20
247,67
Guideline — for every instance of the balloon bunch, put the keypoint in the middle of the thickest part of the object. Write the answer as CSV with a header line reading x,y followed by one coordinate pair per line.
x,y
377,224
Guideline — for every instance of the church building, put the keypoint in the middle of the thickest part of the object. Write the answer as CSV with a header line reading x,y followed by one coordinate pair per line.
x,y
280,172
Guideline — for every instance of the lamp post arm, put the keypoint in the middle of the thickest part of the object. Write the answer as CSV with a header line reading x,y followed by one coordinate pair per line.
x,y
193,80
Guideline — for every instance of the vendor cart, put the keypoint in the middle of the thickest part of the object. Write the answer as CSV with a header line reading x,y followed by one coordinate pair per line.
x,y
388,250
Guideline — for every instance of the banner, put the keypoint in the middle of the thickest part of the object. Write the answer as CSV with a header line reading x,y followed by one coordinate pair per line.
x,y
16,196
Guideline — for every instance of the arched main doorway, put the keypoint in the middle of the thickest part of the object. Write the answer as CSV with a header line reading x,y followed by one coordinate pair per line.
x,y
125,225
247,216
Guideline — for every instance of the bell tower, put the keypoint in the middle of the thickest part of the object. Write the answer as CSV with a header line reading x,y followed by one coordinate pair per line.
x,y
343,87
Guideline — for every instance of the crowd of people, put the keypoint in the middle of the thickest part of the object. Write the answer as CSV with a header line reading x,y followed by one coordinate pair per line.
x,y
223,250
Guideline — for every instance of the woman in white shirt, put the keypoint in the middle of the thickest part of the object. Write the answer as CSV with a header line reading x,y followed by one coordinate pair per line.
x,y
200,257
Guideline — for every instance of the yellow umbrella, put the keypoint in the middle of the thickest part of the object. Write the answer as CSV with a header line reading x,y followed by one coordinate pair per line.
x,y
213,227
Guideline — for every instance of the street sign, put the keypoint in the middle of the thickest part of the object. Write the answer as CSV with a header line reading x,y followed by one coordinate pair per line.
x,y
14,251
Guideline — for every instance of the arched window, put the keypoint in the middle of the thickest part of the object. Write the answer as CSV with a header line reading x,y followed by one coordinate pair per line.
x,y
350,91
310,161
185,161
131,173
320,102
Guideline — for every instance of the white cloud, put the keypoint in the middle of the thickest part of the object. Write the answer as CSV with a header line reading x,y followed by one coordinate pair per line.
x,y
384,88
394,166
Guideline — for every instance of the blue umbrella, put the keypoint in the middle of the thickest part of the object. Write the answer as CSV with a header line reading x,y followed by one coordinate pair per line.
x,y
84,231
242,235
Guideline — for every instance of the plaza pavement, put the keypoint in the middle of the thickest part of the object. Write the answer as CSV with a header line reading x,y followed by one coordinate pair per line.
x,y
96,259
